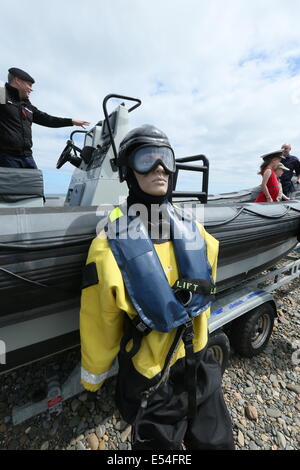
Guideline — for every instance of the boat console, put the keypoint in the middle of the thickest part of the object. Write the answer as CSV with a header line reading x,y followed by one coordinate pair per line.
x,y
95,179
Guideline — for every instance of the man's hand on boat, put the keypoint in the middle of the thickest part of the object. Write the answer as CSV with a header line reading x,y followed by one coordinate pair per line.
x,y
77,122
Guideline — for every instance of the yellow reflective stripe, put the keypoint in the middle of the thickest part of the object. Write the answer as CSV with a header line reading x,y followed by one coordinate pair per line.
x,y
92,379
115,214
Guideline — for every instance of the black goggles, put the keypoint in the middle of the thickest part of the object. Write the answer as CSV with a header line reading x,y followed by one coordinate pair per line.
x,y
148,157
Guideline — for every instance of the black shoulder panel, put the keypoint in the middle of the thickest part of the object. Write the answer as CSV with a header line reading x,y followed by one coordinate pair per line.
x,y
89,276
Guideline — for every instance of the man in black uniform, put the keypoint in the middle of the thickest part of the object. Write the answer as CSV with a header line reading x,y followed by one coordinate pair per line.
x,y
293,164
16,117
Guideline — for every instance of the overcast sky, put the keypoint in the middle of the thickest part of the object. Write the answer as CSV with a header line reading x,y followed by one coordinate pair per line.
x,y
219,77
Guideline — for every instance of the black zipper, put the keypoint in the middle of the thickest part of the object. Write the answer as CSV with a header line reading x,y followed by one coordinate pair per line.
x,y
22,122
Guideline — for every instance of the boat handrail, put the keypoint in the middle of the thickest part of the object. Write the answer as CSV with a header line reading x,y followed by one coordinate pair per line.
x,y
107,121
184,164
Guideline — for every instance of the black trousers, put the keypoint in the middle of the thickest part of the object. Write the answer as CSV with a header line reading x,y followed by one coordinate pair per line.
x,y
11,161
288,188
164,423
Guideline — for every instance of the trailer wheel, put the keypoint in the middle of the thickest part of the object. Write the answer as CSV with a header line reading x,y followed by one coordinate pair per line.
x,y
250,333
218,344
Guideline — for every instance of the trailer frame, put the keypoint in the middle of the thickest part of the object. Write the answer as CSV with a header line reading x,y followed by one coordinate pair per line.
x,y
229,306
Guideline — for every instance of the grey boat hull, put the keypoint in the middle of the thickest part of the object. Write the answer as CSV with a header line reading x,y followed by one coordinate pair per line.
x,y
43,251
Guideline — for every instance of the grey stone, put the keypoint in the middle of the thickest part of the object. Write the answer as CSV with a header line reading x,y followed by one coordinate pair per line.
x,y
83,397
273,412
81,426
293,387
80,446
126,434
75,405
45,445
281,440
100,431
253,446
74,421
123,446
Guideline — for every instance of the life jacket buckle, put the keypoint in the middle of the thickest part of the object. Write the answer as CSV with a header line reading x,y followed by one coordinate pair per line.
x,y
141,326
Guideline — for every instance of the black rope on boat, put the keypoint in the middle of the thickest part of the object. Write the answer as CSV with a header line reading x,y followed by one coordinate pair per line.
x,y
267,216
35,283
224,221
297,209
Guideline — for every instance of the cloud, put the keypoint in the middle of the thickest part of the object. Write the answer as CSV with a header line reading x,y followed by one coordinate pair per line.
x,y
219,78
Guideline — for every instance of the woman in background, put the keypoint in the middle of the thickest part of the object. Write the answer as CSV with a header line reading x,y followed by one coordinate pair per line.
x,y
270,185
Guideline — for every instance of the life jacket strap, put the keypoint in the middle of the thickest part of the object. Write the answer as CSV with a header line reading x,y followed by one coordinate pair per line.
x,y
166,369
89,275
130,333
190,370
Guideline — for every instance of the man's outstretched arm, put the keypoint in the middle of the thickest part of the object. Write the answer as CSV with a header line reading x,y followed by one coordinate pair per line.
x,y
44,119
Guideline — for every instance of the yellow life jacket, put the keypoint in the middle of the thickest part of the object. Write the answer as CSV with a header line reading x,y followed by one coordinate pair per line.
x,y
105,303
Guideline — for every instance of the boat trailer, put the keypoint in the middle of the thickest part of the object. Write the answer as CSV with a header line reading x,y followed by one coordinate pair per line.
x,y
241,317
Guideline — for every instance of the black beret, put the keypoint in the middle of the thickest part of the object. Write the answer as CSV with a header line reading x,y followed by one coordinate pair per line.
x,y
276,154
21,74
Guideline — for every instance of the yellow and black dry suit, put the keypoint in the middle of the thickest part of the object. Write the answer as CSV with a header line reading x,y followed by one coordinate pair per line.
x,y
105,305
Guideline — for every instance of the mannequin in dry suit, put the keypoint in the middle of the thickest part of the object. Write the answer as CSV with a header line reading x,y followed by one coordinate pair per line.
x,y
147,289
